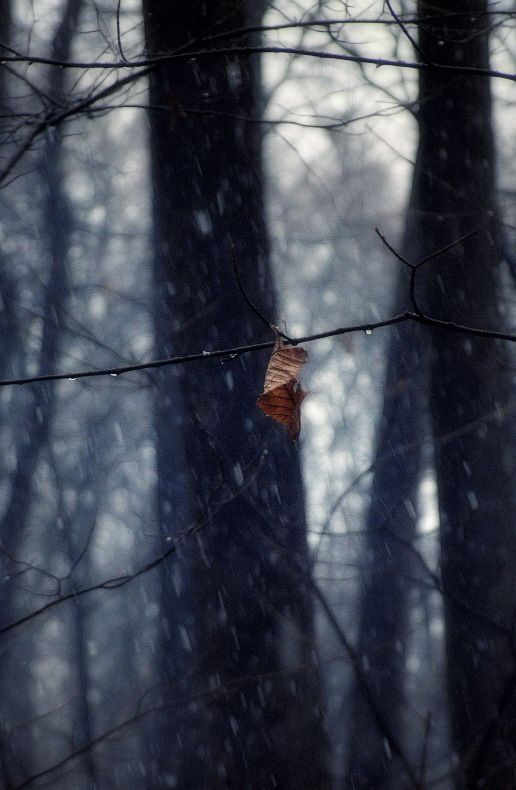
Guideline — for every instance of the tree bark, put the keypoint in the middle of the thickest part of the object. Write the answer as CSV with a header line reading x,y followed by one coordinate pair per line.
x,y
471,391
222,465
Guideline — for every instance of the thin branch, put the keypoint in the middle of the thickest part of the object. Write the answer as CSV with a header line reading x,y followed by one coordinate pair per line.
x,y
56,119
383,726
228,687
118,34
415,266
407,33
477,775
398,255
231,353
187,54
121,581
246,298
449,246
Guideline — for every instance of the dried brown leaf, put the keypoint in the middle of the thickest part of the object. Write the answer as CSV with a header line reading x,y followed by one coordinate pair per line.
x,y
284,364
283,404
282,394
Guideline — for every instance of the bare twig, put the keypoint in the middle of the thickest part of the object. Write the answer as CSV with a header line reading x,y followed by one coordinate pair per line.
x,y
118,33
415,266
407,33
120,581
246,298
383,726
56,119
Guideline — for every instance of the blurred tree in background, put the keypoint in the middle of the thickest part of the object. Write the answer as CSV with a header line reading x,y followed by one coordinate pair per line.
x,y
173,614
470,405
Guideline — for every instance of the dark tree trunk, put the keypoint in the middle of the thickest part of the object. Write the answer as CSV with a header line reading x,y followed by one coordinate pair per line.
x,y
389,531
471,396
453,193
220,462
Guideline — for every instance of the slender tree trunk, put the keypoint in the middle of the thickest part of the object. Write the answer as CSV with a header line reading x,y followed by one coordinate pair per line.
x,y
10,336
471,391
389,531
78,529
38,415
258,723
57,221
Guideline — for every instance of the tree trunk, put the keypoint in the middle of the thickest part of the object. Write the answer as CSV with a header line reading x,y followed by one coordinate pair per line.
x,y
221,464
38,413
390,528
470,396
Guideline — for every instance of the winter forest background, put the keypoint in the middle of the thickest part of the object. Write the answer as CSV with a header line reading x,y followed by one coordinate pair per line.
x,y
188,600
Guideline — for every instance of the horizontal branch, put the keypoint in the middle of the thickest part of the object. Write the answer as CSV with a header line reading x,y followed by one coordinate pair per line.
x,y
187,54
227,354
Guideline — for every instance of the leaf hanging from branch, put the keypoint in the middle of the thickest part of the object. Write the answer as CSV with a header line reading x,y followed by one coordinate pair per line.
x,y
282,394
